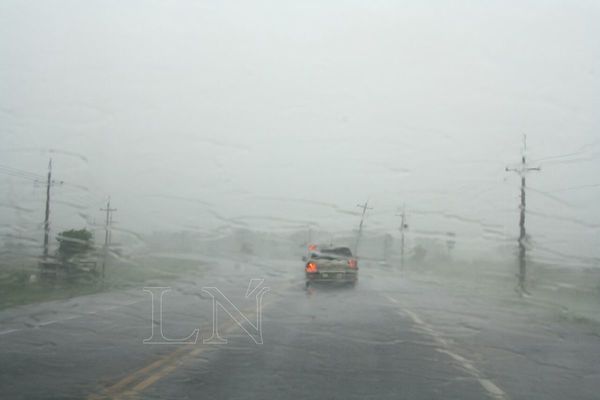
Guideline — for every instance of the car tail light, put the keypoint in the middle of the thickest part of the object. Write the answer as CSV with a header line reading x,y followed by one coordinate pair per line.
x,y
352,263
311,267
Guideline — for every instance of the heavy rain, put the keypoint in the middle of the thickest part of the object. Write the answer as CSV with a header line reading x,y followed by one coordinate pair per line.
x,y
290,200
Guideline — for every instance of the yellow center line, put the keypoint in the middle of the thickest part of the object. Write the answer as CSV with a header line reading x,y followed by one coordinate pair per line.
x,y
141,372
172,363
157,370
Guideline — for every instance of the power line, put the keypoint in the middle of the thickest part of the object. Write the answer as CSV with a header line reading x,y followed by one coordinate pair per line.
x,y
31,176
19,173
592,185
48,182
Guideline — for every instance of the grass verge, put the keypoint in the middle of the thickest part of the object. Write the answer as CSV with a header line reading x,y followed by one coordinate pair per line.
x,y
22,285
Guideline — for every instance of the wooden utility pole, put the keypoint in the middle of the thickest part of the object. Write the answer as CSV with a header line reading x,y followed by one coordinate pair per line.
x,y
107,232
37,179
522,171
49,184
364,207
403,228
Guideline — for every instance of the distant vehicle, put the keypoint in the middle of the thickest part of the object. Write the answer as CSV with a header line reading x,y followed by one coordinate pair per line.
x,y
333,264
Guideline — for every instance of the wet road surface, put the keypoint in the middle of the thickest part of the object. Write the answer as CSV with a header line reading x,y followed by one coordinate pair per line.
x,y
389,337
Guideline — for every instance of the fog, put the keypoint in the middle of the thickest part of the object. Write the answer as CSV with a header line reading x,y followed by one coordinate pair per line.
x,y
279,116
356,165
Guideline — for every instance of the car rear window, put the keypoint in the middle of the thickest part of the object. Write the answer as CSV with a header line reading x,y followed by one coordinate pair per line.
x,y
338,251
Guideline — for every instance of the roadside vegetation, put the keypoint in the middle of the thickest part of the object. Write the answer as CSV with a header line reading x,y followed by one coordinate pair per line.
x,y
20,283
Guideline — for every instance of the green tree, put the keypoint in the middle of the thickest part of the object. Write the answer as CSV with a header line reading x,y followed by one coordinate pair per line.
x,y
74,243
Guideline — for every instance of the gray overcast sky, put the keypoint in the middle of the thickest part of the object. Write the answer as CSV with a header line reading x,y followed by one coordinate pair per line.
x,y
198,114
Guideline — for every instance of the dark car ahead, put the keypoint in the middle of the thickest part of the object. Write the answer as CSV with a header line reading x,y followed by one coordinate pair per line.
x,y
333,264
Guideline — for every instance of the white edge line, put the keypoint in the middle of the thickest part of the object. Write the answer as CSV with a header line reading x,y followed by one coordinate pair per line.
x,y
490,387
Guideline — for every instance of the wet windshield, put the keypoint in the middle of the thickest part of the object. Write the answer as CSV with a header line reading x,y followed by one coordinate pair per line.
x,y
289,200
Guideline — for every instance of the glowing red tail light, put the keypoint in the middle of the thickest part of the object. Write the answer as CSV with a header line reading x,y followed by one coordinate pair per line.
x,y
311,267
352,263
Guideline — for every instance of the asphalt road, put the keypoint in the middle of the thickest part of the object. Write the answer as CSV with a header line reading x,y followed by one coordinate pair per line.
x,y
389,337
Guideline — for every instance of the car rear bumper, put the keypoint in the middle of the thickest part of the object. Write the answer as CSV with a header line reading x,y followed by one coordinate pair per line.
x,y
334,276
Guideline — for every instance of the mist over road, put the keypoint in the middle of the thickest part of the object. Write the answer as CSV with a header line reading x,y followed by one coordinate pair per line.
x,y
393,336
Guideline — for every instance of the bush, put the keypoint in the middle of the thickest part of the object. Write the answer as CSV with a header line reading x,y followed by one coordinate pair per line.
x,y
74,243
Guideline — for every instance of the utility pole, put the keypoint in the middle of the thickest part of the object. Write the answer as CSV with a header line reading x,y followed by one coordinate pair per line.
x,y
522,171
403,228
37,179
107,232
364,207
49,183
